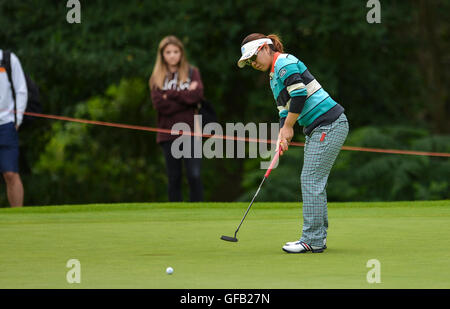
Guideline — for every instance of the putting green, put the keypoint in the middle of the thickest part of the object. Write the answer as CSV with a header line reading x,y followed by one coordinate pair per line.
x,y
131,245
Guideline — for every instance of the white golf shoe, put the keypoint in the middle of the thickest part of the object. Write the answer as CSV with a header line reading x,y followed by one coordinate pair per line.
x,y
302,247
289,243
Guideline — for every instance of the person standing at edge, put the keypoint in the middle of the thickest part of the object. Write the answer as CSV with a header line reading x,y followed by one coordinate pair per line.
x,y
176,88
300,98
9,138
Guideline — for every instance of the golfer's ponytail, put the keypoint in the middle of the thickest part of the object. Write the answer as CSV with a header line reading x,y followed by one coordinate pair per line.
x,y
277,45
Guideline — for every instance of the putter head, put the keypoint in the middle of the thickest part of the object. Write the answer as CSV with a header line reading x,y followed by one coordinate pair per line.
x,y
228,238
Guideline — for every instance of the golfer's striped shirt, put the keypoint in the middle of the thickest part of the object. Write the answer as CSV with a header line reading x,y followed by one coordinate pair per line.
x,y
296,90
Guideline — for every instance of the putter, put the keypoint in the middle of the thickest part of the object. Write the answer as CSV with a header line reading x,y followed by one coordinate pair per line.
x,y
274,160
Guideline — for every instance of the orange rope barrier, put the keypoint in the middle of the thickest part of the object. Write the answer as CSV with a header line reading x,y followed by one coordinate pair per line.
x,y
252,140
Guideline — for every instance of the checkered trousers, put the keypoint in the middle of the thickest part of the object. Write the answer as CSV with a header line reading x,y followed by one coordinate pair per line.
x,y
321,149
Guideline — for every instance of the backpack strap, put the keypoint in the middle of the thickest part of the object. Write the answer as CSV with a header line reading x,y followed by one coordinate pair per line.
x,y
7,64
191,70
190,73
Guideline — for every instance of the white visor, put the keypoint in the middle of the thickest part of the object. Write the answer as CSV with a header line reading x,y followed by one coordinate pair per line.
x,y
250,48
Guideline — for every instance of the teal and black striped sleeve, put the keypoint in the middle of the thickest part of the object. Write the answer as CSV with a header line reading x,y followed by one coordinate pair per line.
x,y
297,91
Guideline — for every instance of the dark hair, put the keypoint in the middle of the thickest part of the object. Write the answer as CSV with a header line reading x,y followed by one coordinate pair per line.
x,y
277,45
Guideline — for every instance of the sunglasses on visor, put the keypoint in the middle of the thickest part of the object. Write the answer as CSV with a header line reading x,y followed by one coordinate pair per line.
x,y
250,60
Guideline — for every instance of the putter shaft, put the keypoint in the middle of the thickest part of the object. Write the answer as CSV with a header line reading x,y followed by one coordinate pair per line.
x,y
269,170
251,203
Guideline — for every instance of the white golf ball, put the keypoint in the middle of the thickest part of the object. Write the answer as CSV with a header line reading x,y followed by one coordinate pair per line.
x,y
169,270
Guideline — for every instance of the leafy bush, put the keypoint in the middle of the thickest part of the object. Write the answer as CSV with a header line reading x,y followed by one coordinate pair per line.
x,y
363,176
393,72
85,163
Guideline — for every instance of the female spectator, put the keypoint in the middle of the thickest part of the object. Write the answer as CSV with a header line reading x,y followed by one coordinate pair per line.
x,y
176,88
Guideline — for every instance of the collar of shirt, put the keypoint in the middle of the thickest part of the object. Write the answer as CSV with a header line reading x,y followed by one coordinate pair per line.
x,y
275,57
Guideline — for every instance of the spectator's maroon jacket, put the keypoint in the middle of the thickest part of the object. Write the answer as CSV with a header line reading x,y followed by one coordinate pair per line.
x,y
180,105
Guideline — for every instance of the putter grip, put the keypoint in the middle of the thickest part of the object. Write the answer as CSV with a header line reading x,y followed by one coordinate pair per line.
x,y
274,161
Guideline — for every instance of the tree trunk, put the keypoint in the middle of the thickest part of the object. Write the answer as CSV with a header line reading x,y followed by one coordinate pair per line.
x,y
432,65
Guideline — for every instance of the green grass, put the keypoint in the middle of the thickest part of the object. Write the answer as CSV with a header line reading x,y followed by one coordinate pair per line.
x,y
131,245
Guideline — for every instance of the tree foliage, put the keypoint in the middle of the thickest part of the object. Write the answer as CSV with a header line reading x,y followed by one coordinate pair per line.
x,y
392,74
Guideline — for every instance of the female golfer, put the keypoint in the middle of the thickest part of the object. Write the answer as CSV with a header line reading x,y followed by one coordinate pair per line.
x,y
300,98
176,89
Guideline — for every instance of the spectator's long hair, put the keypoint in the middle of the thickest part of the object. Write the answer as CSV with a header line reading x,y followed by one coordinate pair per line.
x,y
160,70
